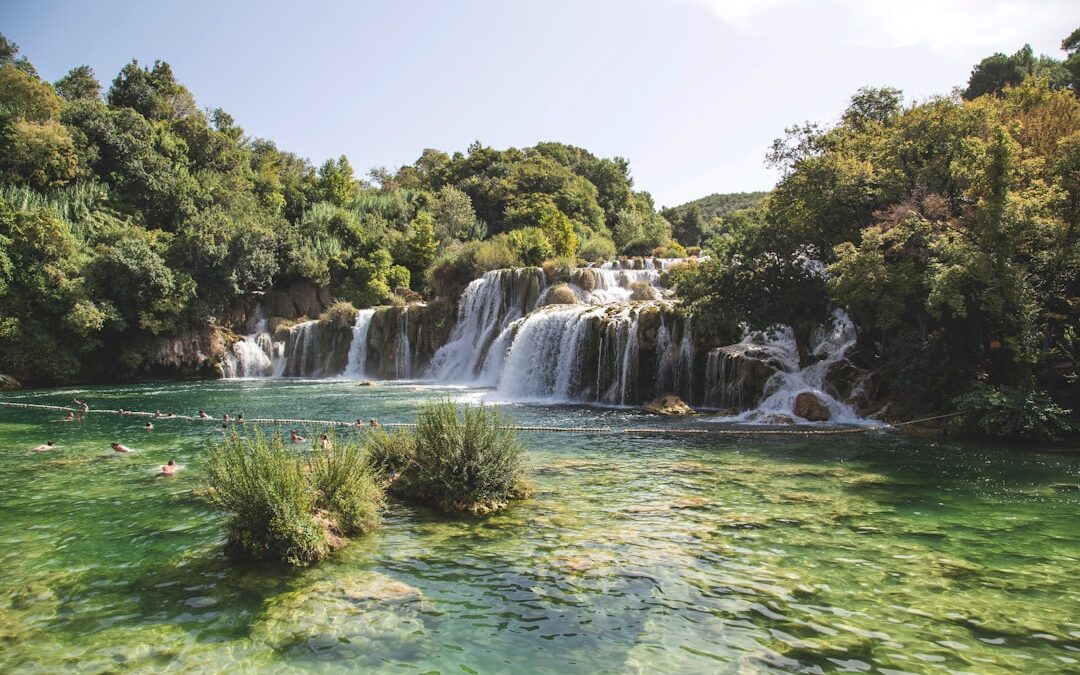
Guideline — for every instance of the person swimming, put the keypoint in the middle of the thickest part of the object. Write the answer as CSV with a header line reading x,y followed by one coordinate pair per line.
x,y
149,426
240,418
170,469
203,415
295,437
43,448
157,413
359,422
120,448
81,404
374,422
226,418
70,417
223,429
325,442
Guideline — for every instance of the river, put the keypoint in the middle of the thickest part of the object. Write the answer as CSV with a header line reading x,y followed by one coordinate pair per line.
x,y
638,553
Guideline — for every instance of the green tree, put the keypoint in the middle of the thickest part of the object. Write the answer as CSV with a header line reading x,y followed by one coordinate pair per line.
x,y
337,184
79,84
420,246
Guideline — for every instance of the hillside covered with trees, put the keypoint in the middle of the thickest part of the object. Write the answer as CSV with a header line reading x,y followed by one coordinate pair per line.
x,y
949,230
128,213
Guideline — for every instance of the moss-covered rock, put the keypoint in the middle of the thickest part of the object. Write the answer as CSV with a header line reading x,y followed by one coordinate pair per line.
x,y
560,294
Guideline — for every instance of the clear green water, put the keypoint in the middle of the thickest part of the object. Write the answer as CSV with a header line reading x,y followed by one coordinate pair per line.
x,y
637,554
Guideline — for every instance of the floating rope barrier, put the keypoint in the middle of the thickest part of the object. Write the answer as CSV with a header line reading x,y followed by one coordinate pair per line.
x,y
634,431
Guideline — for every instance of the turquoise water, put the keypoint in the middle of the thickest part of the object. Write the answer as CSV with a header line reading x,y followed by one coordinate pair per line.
x,y
866,552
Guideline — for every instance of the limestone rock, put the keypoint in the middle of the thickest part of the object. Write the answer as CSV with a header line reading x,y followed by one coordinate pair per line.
x,y
809,407
668,404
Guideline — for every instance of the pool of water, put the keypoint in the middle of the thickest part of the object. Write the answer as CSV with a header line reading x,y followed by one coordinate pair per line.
x,y
866,552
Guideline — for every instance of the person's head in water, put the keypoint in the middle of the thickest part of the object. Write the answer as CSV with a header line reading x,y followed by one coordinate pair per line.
x,y
149,425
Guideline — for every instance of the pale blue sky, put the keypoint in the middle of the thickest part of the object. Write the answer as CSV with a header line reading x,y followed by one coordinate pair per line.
x,y
692,92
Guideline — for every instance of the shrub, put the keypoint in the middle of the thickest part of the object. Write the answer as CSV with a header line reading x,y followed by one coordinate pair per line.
x,y
531,245
1013,412
560,294
289,509
339,315
346,488
597,249
642,290
462,461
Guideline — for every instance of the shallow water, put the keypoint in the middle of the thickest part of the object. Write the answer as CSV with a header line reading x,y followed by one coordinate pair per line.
x,y
637,553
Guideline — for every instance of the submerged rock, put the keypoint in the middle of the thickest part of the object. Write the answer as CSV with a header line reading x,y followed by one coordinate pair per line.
x,y
668,404
809,407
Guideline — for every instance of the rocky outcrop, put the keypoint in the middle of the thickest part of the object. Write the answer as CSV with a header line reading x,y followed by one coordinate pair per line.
x,y
197,352
736,375
560,294
298,299
809,407
668,404
9,382
402,340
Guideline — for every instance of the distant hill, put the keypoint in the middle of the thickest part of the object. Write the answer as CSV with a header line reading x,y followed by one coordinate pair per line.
x,y
721,204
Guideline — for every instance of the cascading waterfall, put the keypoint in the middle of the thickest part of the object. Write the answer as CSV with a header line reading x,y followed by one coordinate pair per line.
x,y
357,363
255,354
623,341
487,307
403,355
727,372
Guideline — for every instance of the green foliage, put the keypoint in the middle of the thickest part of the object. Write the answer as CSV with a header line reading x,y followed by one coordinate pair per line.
x,y
79,84
597,249
339,315
994,73
531,245
1013,412
420,245
461,460
284,508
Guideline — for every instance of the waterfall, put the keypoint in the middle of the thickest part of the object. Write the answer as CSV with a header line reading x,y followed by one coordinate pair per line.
x,y
357,360
487,307
733,372
403,352
254,354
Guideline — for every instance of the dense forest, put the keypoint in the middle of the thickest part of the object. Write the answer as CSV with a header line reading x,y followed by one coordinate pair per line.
x,y
130,214
946,228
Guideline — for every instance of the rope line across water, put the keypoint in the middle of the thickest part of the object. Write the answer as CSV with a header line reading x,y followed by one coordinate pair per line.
x,y
542,429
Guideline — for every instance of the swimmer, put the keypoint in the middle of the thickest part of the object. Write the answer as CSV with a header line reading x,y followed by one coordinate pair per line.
x,y
325,442
374,423
295,437
81,404
240,418
149,426
48,446
226,418
169,469
203,415
169,414
359,422
78,418
70,417
223,429
120,448
157,413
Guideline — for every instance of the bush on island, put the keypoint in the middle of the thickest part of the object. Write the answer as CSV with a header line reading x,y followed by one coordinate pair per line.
x,y
287,508
464,460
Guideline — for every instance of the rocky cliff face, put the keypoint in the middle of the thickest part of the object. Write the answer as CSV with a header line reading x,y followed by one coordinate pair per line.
x,y
197,352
